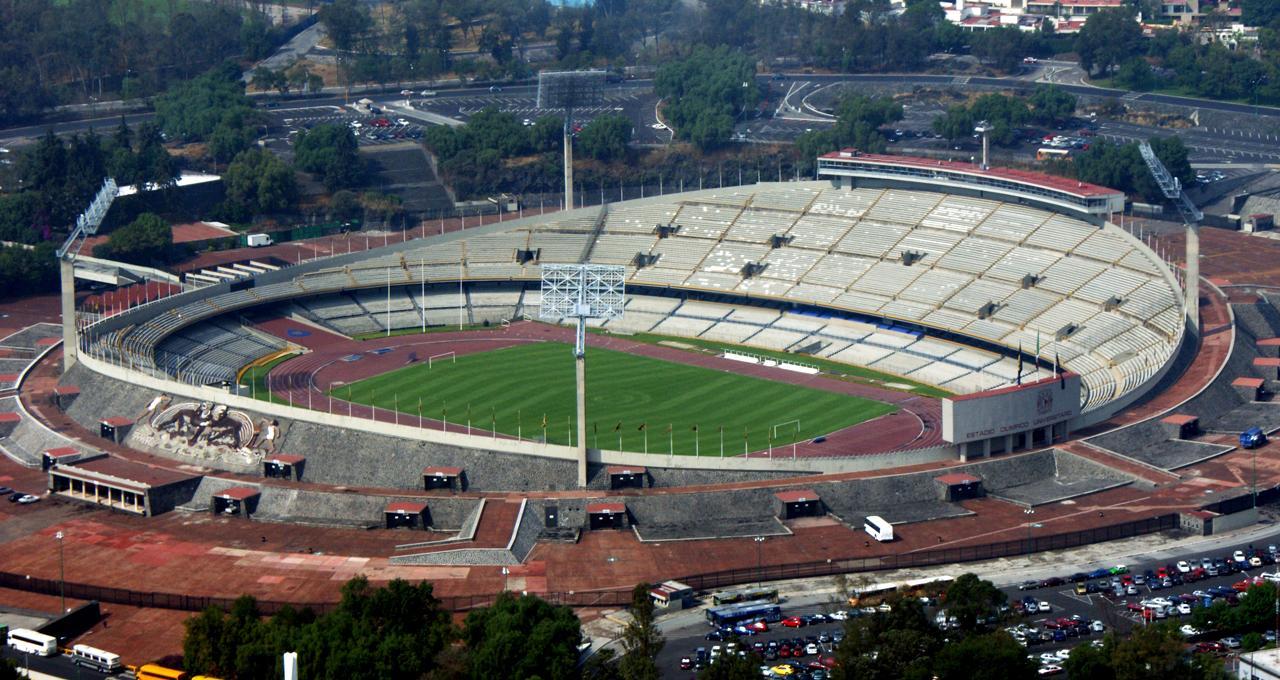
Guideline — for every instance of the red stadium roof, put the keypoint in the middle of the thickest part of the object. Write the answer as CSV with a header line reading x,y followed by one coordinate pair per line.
x,y
66,390
238,493
626,470
1255,383
121,472
797,496
957,479
62,452
117,421
9,417
1180,419
406,508
442,472
606,508
1039,179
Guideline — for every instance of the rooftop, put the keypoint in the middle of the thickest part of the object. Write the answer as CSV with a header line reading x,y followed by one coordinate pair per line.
x,y
1039,179
958,479
1180,419
406,508
442,471
122,472
285,459
626,470
62,452
606,508
797,496
238,493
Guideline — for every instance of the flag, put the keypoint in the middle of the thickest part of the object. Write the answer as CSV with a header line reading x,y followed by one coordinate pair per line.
x,y
668,430
642,426
1019,363
595,428
544,421
694,428
618,426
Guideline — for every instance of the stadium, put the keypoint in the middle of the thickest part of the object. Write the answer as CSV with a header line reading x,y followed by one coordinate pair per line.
x,y
946,346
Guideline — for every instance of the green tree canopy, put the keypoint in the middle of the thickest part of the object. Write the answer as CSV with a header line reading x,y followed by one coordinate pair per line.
x,y
1051,105
330,151
971,599
606,137
147,240
704,93
257,183
522,637
1108,39
641,639
192,110
994,656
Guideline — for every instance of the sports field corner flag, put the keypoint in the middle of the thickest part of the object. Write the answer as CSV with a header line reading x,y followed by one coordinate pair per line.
x,y
618,427
642,426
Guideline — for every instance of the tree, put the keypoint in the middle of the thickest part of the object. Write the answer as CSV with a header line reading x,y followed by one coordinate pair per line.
x,y
147,240
995,656
9,670
641,639
733,667
1108,39
704,93
28,270
1051,105
1136,74
522,637
955,123
971,599
1087,661
330,150
257,182
345,21
897,644
1150,653
192,110
606,137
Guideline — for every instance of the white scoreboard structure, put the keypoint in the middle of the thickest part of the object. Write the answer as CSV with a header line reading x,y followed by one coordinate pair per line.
x,y
1031,415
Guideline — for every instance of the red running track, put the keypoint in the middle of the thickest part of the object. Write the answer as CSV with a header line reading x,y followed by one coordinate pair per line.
x,y
306,380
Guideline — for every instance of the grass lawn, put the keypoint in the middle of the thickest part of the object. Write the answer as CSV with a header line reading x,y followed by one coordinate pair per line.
x,y
513,389
834,369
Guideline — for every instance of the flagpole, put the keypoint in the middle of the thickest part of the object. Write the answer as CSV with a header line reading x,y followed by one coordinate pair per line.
x,y
722,441
697,439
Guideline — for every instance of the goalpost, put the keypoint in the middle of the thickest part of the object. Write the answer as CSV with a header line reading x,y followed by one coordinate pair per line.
x,y
431,360
796,423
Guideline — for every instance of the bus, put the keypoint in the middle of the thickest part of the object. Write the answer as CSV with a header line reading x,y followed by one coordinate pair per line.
x,y
733,614
92,657
151,671
869,596
31,642
745,595
1050,154
878,528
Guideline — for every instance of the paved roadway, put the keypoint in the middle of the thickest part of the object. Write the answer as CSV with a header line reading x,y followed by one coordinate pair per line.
x,y
685,630
53,666
797,103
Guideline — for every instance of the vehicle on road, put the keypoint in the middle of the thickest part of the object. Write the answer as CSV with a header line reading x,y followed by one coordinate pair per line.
x,y
28,499
30,642
1051,669
1252,438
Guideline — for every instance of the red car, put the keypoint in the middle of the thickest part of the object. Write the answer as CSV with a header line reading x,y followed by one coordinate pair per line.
x,y
686,663
758,626
784,651
793,622
380,122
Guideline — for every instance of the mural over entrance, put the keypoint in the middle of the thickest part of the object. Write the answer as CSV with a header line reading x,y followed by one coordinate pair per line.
x,y
206,430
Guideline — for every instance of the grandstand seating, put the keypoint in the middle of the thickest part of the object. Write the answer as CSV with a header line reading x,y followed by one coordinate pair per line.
x,y
1006,274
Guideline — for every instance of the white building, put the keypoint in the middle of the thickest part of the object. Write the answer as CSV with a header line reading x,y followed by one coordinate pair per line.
x,y
1260,665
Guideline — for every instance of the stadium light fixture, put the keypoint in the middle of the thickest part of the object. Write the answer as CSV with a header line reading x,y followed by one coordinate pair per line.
x,y
566,91
581,292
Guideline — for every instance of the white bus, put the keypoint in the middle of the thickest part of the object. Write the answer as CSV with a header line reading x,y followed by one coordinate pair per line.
x,y
878,528
31,642
92,657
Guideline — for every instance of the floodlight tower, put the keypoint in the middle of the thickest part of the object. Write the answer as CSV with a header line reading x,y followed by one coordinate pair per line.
x,y
581,291
984,128
86,225
568,90
1191,217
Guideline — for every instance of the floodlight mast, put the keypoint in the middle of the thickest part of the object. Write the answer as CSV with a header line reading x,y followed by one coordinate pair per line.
x,y
86,225
579,292
568,90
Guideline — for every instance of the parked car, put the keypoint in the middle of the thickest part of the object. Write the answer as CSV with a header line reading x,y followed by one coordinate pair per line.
x,y
28,499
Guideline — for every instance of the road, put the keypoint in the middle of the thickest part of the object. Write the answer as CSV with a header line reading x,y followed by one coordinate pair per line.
x,y
798,103
54,666
685,631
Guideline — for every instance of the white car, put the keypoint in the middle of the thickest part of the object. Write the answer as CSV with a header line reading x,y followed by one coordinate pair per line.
x,y
1044,607
1063,654
658,126
811,648
357,124
28,500
1273,576
1189,630
402,121
1048,657
1239,556
1051,669
1098,626
1183,567
1031,608
1255,561
1184,609
838,615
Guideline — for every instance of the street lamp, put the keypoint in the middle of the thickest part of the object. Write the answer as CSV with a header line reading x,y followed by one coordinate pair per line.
x,y
759,565
62,574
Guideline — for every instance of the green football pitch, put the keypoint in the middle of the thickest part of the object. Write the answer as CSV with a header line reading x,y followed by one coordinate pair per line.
x,y
647,402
